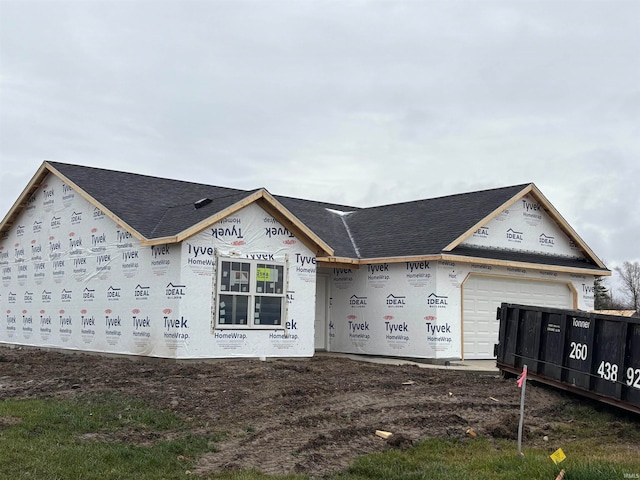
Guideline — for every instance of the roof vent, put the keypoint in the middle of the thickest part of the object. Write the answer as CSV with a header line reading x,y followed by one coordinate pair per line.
x,y
202,202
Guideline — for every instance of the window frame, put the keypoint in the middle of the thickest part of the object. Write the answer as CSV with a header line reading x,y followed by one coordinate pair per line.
x,y
252,293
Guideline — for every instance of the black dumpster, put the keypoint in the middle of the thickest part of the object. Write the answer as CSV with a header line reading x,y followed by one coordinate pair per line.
x,y
595,355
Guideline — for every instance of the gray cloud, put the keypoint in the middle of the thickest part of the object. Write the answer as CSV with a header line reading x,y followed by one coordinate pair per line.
x,y
354,102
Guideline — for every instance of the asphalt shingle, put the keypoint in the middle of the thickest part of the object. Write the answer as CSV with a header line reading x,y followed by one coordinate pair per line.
x,y
160,207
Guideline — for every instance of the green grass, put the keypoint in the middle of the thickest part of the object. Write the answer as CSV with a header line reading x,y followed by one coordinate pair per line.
x,y
95,437
112,437
482,459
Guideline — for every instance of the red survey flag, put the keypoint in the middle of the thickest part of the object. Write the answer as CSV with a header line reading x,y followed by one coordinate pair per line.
x,y
522,377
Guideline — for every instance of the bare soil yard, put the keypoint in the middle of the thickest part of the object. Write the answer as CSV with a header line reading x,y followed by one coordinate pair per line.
x,y
297,416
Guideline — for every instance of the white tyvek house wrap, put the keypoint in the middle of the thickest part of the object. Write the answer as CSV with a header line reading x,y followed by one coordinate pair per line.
x,y
414,309
384,309
71,278
251,234
524,226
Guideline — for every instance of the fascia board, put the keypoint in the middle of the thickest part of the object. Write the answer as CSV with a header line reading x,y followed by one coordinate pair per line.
x,y
266,201
198,227
525,265
565,227
328,261
95,203
34,184
551,211
289,220
488,218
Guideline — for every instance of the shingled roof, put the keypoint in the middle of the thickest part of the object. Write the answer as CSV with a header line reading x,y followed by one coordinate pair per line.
x,y
158,208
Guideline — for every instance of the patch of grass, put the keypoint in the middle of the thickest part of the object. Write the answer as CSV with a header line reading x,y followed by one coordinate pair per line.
x,y
108,436
482,459
95,437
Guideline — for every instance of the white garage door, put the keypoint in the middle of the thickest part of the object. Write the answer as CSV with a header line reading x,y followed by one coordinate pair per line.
x,y
484,294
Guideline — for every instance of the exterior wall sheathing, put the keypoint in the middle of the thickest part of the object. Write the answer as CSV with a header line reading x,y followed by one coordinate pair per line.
x,y
71,278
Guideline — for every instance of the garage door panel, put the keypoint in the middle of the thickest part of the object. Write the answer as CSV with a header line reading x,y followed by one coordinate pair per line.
x,y
484,294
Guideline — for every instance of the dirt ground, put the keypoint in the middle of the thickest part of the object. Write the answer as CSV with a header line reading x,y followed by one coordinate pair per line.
x,y
295,416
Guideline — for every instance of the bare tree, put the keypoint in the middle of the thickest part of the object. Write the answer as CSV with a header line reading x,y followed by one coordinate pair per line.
x,y
630,276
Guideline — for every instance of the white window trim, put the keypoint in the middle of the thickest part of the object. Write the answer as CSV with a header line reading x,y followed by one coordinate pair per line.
x,y
251,294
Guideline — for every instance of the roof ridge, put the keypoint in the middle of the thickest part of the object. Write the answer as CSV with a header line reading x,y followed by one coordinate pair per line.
x,y
122,172
473,192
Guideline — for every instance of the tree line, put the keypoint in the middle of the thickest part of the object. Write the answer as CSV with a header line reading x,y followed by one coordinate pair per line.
x,y
605,299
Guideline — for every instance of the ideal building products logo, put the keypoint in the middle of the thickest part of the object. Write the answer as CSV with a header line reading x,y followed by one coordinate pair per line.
x,y
98,214
37,227
76,217
546,241
11,297
113,293
88,294
141,293
66,295
56,222
437,301
482,232
357,302
175,291
28,297
46,296
20,230
394,301
513,236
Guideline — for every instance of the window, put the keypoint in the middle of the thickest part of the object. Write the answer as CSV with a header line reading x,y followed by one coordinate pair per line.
x,y
250,294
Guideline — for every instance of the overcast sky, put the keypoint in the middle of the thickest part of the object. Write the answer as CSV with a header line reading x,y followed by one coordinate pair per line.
x,y
355,102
